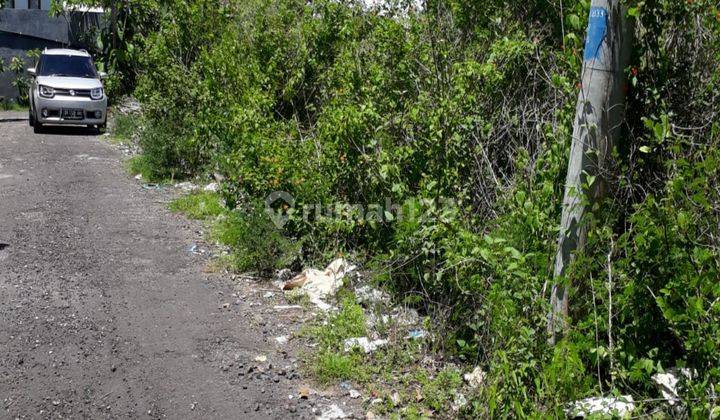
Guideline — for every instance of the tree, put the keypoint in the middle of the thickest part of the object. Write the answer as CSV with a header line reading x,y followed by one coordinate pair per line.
x,y
128,22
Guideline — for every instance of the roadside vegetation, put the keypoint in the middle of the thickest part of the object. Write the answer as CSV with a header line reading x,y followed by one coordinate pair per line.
x,y
460,116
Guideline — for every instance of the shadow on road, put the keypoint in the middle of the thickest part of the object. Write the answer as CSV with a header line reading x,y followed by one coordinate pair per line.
x,y
69,130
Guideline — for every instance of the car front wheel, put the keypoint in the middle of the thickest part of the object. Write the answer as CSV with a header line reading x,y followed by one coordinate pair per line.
x,y
38,128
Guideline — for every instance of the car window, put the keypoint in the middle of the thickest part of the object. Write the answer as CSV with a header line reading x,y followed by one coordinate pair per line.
x,y
66,66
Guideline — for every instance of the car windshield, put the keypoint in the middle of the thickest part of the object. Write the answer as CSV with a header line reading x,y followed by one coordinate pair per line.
x,y
66,66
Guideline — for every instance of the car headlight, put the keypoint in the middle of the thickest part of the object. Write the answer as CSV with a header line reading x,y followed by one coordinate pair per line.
x,y
47,91
96,93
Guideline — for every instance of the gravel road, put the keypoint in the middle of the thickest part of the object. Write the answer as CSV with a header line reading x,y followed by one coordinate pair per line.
x,y
105,313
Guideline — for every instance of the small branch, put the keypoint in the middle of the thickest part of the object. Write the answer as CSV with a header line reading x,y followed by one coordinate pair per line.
x,y
610,315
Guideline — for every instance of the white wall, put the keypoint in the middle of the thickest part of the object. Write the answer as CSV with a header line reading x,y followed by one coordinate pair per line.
x,y
21,4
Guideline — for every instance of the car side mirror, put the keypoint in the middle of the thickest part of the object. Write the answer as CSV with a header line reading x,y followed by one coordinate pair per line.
x,y
31,71
102,75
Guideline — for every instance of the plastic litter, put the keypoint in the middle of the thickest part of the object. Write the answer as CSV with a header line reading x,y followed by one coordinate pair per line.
x,y
371,296
364,343
475,378
667,383
193,248
320,284
416,334
621,406
186,186
332,412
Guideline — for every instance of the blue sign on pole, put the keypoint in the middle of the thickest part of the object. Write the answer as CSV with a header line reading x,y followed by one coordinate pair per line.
x,y
597,29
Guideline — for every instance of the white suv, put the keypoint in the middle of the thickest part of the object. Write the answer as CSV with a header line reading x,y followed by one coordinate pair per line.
x,y
67,89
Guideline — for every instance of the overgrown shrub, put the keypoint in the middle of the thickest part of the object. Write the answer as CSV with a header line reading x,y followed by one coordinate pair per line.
x,y
462,112
257,243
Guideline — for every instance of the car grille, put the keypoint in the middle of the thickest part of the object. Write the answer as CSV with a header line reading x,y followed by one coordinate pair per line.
x,y
78,92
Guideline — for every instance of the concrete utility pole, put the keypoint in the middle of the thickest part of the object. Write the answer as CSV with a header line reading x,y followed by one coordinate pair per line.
x,y
599,113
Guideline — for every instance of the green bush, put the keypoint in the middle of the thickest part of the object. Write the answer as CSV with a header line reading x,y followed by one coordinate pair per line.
x,y
256,242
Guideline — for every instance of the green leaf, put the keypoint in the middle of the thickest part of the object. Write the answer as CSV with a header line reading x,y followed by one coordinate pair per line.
x,y
573,21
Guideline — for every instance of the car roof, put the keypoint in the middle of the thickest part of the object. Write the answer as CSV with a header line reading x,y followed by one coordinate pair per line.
x,y
66,51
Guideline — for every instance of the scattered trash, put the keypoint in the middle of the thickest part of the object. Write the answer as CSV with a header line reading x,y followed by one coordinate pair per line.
x,y
282,340
320,284
667,383
405,317
376,401
325,307
370,416
364,343
261,358
138,177
395,398
151,186
372,319
283,275
193,248
212,187
459,401
129,106
268,295
332,412
301,279
371,296
602,406
416,334
475,378
286,307
418,395
354,394
186,186
304,392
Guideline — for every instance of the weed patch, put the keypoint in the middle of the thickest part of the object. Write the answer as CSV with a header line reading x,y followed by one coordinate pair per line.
x,y
200,206
331,366
6,105
124,128
331,362
395,375
141,165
